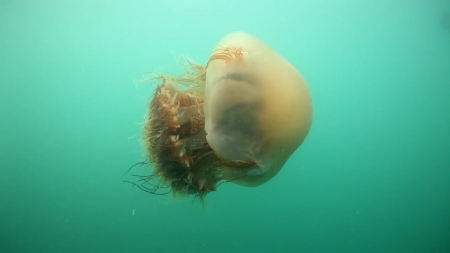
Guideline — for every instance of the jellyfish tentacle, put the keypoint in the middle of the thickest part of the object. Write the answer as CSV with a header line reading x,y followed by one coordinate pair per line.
x,y
226,53
185,114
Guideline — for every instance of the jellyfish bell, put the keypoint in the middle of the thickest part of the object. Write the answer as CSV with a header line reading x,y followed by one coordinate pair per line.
x,y
257,107
238,119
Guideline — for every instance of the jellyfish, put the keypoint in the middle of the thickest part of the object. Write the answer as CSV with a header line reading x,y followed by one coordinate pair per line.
x,y
237,119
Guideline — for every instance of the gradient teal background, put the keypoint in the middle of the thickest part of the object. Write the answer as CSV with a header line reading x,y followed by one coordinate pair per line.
x,y
372,176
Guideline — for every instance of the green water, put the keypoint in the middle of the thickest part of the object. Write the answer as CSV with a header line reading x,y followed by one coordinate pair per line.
x,y
372,176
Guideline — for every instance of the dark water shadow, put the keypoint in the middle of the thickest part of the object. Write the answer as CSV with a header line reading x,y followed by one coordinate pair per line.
x,y
445,21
